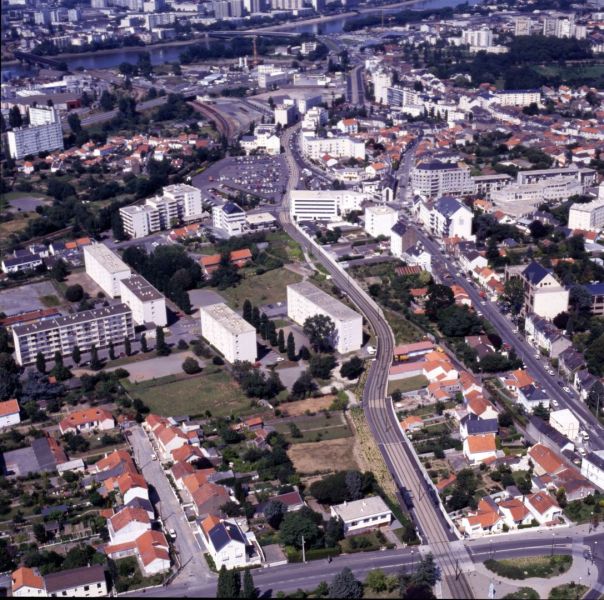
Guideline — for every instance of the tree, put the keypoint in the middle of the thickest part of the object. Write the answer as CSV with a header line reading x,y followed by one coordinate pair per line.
x,y
353,368
274,511
354,485
59,270
74,293
561,497
161,348
295,431
60,371
281,341
74,123
427,572
127,346
76,354
321,365
40,533
334,532
525,485
272,333
541,412
376,580
111,351
263,326
41,362
249,589
227,583
291,347
296,525
247,310
345,585
9,377
117,227
95,363
439,298
14,117
256,318
321,333
107,101
143,342
190,366
304,353
303,386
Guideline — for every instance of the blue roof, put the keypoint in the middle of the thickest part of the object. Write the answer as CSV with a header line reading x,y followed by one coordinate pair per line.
x,y
222,534
447,205
595,288
476,425
400,228
535,272
231,208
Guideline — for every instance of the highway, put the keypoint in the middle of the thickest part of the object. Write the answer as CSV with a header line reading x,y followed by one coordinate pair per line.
x,y
449,553
355,87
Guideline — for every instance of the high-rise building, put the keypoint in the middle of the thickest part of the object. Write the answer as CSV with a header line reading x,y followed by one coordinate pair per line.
x,y
44,133
522,26
105,268
382,80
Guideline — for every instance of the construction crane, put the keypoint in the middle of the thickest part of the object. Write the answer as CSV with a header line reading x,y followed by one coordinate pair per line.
x,y
255,60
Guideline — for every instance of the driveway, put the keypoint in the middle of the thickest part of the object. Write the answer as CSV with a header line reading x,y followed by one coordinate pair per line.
x,y
195,570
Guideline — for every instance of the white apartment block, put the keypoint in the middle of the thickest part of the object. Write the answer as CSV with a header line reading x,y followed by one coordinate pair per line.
x,y
315,117
447,217
96,327
140,221
586,177
478,38
230,219
323,205
105,268
305,300
379,220
382,80
44,134
592,467
178,203
285,114
517,97
336,147
435,179
147,304
228,332
589,217
264,140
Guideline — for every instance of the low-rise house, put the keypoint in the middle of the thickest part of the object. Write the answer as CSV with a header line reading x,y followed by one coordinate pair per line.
x,y
131,486
412,423
90,419
486,519
532,396
228,545
9,413
543,507
473,425
478,405
514,513
592,467
27,583
83,582
208,498
127,525
292,501
168,439
151,550
405,352
480,448
545,461
570,361
364,514
545,336
583,382
543,433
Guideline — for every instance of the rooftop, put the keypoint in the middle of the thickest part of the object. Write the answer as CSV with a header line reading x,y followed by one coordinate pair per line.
x,y
109,259
349,511
333,307
228,318
141,288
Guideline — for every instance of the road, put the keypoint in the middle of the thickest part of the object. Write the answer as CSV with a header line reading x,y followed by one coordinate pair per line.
x,y
443,265
194,567
355,86
449,553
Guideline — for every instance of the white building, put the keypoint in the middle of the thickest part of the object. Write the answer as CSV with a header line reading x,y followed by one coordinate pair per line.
x,y
315,117
228,332
543,293
565,422
286,113
435,178
188,200
97,327
326,205
367,513
9,413
147,304
478,38
382,80
518,97
592,467
228,545
589,217
304,300
44,134
379,220
336,147
140,221
83,582
105,268
230,219
264,140
447,217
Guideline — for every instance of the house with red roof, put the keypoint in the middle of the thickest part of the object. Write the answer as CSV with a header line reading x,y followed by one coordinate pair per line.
x,y
84,421
543,507
151,550
9,413
27,583
127,525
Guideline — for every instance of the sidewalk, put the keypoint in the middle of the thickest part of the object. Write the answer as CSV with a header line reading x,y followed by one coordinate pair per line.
x,y
581,572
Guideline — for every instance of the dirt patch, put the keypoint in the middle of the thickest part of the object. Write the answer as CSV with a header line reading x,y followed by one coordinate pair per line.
x,y
325,456
313,405
85,281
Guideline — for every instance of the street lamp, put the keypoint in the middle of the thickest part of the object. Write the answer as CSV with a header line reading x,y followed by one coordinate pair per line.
x,y
553,538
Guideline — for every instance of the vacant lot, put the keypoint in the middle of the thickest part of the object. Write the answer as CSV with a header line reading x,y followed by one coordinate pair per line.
x,y
181,395
317,428
267,288
408,385
295,409
404,331
325,456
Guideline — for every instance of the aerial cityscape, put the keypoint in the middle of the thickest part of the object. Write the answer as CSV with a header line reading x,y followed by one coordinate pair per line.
x,y
302,299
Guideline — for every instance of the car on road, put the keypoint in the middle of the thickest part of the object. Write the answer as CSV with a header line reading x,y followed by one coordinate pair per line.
x,y
582,451
154,456
584,435
371,350
537,355
567,389
280,359
555,403
172,533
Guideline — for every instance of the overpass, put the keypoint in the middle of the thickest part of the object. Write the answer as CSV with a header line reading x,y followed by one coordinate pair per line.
x,y
43,61
252,33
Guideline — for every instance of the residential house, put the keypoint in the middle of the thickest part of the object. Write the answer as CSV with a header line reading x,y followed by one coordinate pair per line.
x,y
565,422
292,501
127,525
27,583
514,513
543,507
151,550
478,405
583,382
570,361
543,433
545,460
208,498
364,514
592,467
532,396
169,439
83,582
480,448
412,423
545,336
9,413
471,260
486,519
90,419
131,486
471,425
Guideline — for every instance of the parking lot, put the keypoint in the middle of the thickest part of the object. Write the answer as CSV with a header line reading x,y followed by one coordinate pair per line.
x,y
262,176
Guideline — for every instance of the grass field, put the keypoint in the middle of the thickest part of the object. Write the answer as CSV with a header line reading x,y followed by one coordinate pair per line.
x,y
328,455
267,288
181,395
404,331
317,428
50,300
573,73
534,566
569,591
298,408
408,385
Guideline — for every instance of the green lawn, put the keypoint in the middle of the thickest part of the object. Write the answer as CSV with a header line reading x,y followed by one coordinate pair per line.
x,y
181,395
316,429
524,593
50,300
569,591
267,288
579,511
404,331
408,385
534,566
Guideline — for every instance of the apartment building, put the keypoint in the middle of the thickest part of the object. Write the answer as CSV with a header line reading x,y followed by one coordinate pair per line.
x,y
304,300
323,205
596,292
401,239
435,178
179,203
382,80
105,268
228,332
592,467
98,327
147,304
589,216
229,219
264,140
517,97
336,147
379,220
586,177
447,217
44,134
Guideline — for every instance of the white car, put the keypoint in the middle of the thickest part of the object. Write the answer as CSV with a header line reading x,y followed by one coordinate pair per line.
x,y
371,350
582,451
154,456
537,355
172,533
567,389
555,403
280,359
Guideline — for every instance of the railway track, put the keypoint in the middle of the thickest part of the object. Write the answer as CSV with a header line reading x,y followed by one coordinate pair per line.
x,y
223,125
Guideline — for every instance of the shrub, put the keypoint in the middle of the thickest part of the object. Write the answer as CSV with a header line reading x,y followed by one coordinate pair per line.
x,y
74,293
217,360
190,366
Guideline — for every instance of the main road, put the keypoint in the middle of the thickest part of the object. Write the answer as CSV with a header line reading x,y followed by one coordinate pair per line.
x,y
434,529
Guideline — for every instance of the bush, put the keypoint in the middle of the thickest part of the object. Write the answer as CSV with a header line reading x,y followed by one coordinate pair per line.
x,y
74,293
190,366
217,360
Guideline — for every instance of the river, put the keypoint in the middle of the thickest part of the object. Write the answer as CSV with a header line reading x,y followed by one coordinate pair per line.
x,y
165,54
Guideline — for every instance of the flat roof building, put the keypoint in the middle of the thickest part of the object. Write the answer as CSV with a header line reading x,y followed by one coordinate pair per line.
x,y
228,332
97,327
147,304
362,514
304,300
105,268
